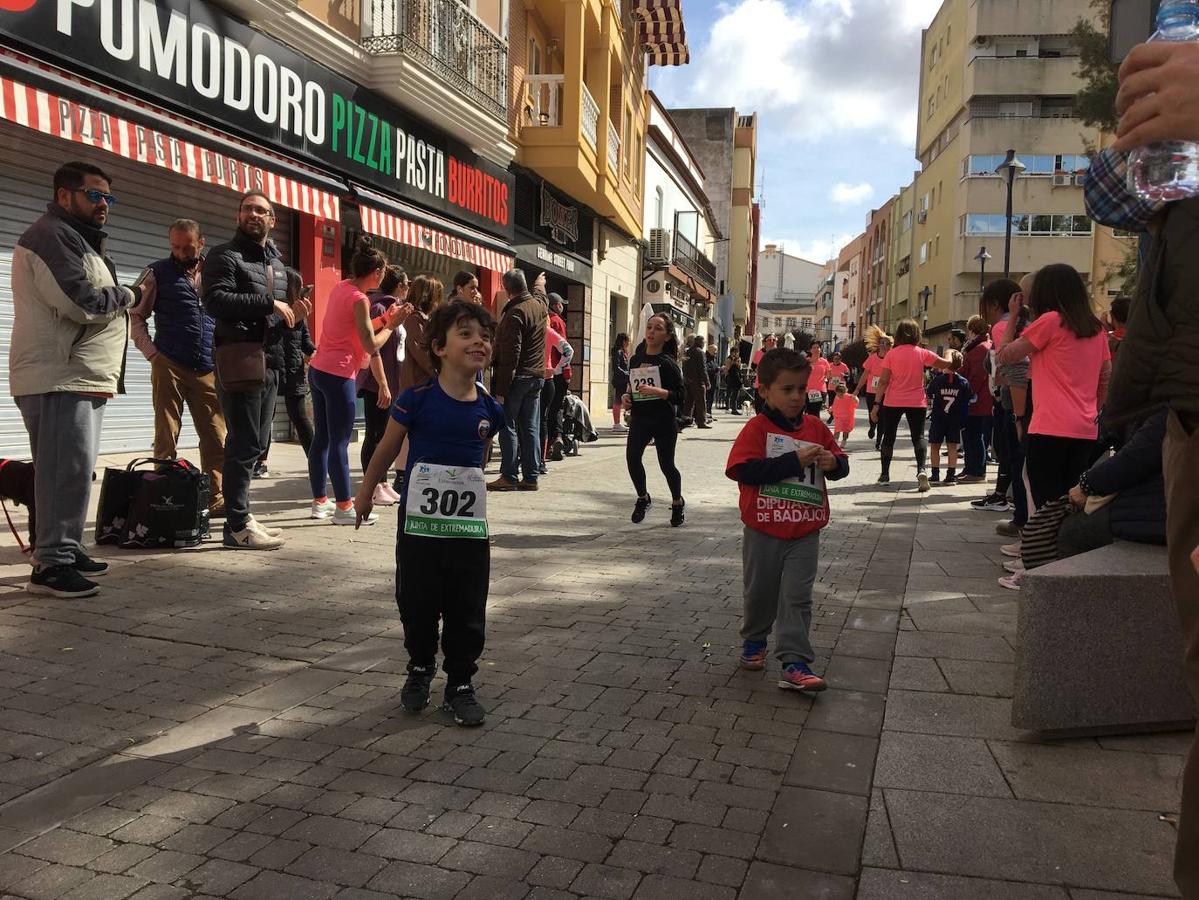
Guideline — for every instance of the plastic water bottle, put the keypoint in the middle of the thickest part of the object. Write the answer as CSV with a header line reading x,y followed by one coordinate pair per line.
x,y
1169,170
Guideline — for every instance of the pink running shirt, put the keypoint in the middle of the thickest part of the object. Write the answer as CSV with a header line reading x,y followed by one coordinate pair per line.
x,y
819,374
844,407
1065,378
907,363
872,369
340,351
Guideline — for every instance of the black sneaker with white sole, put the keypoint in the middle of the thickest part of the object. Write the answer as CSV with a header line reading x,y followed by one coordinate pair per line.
x,y
61,581
461,702
415,695
88,567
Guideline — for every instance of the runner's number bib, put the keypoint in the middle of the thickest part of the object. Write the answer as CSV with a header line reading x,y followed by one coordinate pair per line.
x,y
446,501
815,396
808,488
644,376
874,384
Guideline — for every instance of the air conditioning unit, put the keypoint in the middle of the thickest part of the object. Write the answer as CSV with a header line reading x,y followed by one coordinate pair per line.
x,y
659,245
1062,179
922,216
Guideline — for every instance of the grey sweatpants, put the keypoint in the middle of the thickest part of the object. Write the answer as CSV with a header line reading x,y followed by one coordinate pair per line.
x,y
64,435
779,575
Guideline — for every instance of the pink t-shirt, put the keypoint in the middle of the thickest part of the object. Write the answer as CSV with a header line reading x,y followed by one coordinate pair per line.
x,y
816,380
907,363
997,332
836,374
844,407
340,351
1065,378
872,368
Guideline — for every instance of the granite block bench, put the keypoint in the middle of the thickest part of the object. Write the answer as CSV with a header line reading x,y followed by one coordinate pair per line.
x,y
1098,646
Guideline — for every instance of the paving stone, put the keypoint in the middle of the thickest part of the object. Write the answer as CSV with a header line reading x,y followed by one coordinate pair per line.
x,y
878,847
118,859
392,843
274,885
768,880
52,882
652,859
830,828
848,712
487,887
1041,843
218,877
67,847
929,762
661,887
554,872
950,714
609,882
340,833
918,673
166,866
488,859
889,884
338,866
832,762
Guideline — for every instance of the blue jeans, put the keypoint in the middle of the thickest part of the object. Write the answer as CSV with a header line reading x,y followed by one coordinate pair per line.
x,y
975,440
522,431
333,412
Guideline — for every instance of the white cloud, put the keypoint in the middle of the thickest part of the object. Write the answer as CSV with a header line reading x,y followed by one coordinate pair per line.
x,y
823,66
851,194
817,250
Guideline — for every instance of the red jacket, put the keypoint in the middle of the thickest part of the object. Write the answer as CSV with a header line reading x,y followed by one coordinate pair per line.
x,y
762,478
974,370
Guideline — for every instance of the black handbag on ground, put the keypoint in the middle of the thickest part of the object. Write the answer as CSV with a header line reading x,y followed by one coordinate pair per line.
x,y
154,509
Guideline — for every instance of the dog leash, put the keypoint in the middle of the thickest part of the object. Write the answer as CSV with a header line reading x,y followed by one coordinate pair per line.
x,y
11,526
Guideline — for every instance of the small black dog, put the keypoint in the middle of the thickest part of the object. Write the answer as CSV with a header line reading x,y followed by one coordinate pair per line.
x,y
16,484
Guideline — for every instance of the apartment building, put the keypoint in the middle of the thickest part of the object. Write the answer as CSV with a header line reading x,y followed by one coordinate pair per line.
x,y
998,75
899,257
788,292
680,231
849,283
875,267
827,297
725,144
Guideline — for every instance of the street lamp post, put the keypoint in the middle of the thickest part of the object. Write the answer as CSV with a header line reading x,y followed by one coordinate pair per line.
x,y
924,295
1012,167
982,258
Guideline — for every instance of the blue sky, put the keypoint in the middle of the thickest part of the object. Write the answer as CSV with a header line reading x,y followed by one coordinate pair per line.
x,y
834,83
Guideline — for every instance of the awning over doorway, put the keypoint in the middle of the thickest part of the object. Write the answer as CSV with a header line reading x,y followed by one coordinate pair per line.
x,y
63,116
396,221
661,33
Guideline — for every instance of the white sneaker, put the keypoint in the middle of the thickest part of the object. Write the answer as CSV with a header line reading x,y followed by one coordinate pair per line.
x,y
922,483
250,539
1014,566
392,493
322,510
1012,550
263,529
350,517
620,427
384,496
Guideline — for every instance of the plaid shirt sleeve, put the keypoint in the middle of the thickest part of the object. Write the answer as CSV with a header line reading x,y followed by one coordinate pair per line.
x,y
1109,200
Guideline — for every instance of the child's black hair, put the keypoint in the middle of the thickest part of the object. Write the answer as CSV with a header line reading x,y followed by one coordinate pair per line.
x,y
448,316
775,362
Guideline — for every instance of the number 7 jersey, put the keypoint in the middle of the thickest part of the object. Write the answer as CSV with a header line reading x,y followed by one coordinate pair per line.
x,y
794,507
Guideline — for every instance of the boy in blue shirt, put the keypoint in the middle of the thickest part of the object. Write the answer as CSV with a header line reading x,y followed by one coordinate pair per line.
x,y
950,395
443,556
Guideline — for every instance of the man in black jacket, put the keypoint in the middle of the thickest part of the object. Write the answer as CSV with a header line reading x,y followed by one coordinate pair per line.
x,y
246,291
695,373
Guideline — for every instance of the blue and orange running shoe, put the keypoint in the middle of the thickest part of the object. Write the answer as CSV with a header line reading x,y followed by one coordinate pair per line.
x,y
753,655
798,677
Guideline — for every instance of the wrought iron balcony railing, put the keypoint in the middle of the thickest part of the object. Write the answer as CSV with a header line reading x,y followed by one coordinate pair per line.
x,y
692,260
448,40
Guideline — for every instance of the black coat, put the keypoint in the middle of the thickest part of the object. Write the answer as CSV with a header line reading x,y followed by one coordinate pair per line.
x,y
236,290
285,352
1134,475
620,372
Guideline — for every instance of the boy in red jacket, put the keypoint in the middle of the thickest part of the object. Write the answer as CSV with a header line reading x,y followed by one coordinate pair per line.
x,y
781,460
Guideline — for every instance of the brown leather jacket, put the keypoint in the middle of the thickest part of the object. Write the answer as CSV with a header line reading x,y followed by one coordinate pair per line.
x,y
520,340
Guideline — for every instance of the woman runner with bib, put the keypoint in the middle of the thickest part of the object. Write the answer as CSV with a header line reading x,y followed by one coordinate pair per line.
x,y
900,394
443,558
655,390
878,342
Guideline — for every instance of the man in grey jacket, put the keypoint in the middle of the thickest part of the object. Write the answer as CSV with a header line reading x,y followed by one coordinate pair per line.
x,y
66,360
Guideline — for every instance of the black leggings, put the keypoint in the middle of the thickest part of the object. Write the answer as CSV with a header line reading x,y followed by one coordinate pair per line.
x,y
888,423
665,434
1054,465
374,426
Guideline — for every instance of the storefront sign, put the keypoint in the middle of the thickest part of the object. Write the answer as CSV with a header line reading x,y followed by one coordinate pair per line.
x,y
561,219
193,56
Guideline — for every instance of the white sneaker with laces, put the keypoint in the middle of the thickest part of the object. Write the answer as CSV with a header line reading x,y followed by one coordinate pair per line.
x,y
1012,550
322,510
383,496
250,539
1014,566
349,517
263,529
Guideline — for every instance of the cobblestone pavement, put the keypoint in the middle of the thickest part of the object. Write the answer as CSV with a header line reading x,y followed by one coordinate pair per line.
x,y
226,724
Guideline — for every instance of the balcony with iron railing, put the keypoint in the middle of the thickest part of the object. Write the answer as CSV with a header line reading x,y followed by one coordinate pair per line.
x,y
448,40
694,262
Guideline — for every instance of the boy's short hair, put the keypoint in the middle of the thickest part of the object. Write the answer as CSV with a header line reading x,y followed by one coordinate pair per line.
x,y
955,360
841,388
1120,309
447,316
775,362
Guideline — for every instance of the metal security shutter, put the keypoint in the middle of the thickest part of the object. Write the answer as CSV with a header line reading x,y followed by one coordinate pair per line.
x,y
149,199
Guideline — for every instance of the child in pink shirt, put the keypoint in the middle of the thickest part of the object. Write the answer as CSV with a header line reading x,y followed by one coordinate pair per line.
x,y
845,408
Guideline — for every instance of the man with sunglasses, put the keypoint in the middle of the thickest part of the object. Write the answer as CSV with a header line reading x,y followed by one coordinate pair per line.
x,y
66,360
252,296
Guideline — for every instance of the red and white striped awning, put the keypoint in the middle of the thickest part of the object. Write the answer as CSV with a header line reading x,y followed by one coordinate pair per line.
x,y
415,234
70,120
661,33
